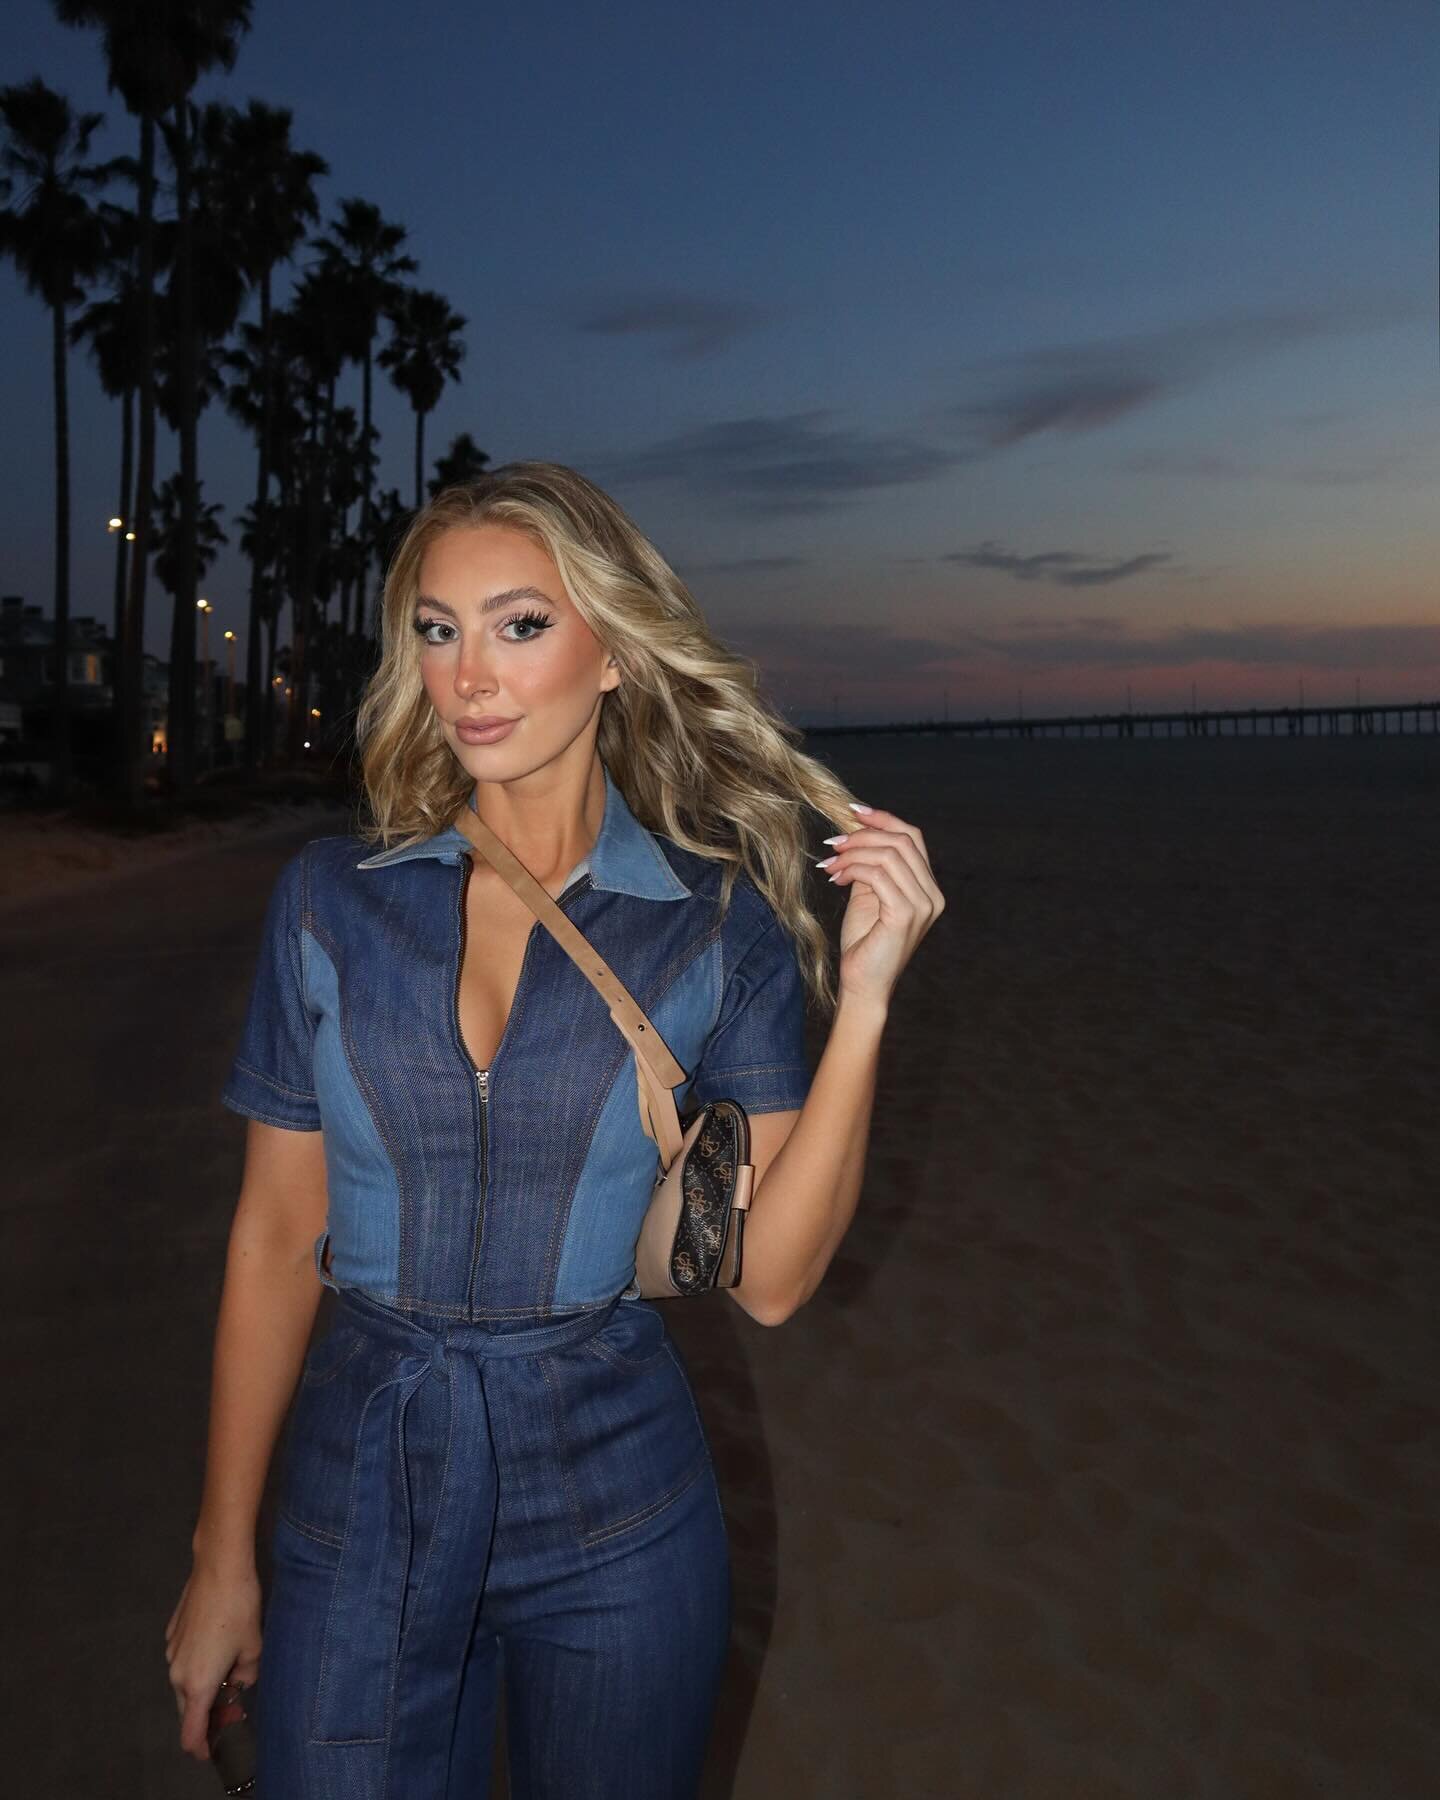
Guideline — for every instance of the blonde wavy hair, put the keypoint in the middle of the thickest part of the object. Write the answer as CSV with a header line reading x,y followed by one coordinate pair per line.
x,y
698,754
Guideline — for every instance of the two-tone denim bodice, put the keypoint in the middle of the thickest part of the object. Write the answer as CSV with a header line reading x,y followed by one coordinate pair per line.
x,y
519,1188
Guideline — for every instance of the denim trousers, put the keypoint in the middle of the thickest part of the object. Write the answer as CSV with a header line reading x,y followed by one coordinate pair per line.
x,y
460,1498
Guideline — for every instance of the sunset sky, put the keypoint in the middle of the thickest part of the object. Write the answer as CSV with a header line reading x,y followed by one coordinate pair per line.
x,y
955,354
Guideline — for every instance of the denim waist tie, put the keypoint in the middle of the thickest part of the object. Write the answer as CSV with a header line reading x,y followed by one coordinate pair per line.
x,y
360,1697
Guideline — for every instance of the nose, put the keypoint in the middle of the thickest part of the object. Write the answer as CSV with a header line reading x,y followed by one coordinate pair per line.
x,y
472,675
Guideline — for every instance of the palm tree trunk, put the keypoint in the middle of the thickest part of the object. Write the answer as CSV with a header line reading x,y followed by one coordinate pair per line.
x,y
365,498
183,758
255,715
419,458
134,744
60,712
122,512
270,624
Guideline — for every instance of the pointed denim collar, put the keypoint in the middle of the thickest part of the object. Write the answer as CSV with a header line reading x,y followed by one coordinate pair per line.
x,y
625,858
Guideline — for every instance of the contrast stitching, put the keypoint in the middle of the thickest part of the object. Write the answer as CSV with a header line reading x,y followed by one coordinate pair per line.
x,y
678,966
266,1118
330,1539
280,1087
614,1357
325,1642
590,1539
362,1081
756,1069
562,1445
308,1380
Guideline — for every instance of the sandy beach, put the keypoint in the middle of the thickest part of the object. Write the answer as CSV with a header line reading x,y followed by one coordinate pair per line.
x,y
1105,1463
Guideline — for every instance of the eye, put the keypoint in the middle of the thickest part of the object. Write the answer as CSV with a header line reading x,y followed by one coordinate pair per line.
x,y
538,620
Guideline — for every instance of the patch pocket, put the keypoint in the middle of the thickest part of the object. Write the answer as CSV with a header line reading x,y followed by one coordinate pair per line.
x,y
629,1435
633,1336
324,1428
329,1355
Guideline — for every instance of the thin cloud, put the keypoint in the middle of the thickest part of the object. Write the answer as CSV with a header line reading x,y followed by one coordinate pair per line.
x,y
1085,386
695,327
1190,465
844,652
750,565
1104,643
1203,466
1069,568
1095,623
788,466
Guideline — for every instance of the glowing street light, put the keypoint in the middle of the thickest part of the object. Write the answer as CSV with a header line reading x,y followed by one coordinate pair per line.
x,y
116,525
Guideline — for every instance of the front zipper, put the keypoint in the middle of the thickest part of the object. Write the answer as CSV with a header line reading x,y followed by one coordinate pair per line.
x,y
482,1076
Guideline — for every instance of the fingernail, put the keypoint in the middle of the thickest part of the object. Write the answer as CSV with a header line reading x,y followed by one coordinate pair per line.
x,y
826,864
858,807
835,840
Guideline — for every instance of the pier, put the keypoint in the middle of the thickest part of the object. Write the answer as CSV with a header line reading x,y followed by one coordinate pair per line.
x,y
1401,719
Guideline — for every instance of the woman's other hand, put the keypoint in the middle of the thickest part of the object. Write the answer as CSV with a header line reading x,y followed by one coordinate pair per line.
x,y
213,1636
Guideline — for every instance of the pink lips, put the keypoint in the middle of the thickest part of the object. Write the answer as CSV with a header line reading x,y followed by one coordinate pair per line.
x,y
484,731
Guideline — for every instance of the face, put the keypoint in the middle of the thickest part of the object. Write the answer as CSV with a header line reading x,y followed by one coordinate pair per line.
x,y
501,639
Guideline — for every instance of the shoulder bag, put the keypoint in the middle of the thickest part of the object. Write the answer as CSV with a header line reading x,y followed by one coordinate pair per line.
x,y
690,1241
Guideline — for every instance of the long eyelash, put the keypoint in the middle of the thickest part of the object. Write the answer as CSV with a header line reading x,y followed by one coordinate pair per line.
x,y
539,620
542,620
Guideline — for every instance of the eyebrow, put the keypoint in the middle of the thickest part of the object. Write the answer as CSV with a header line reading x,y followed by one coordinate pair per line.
x,y
487,606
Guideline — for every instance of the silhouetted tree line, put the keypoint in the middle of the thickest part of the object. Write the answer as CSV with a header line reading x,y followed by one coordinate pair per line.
x,y
164,266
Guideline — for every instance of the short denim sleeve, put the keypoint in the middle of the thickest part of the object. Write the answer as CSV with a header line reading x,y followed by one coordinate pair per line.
x,y
271,1078
755,1052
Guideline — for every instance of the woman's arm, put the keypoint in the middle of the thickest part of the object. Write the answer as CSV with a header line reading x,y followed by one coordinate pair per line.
x,y
809,1166
267,1310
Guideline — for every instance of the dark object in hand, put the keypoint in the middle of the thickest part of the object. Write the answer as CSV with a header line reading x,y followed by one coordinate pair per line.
x,y
232,1740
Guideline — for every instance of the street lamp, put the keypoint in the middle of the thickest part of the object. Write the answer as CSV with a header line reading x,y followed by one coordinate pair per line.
x,y
116,524
204,608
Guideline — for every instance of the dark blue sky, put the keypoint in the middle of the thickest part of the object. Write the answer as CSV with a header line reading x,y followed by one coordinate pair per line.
x,y
947,351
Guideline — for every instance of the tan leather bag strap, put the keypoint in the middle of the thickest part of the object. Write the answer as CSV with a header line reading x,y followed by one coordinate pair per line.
x,y
656,1070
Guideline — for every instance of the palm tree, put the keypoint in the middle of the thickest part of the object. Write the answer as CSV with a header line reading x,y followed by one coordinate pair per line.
x,y
155,51
168,506
168,544
315,356
270,200
463,461
425,351
111,327
53,235
200,305
365,250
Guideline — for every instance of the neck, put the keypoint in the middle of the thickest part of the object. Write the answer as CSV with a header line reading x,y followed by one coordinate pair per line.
x,y
550,818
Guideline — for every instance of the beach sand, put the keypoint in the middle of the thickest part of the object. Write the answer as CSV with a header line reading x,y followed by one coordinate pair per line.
x,y
1104,1462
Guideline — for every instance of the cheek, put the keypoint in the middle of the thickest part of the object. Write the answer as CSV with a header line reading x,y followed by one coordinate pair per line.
x,y
436,676
551,674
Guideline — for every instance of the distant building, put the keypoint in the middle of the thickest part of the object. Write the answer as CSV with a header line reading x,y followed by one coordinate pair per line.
x,y
27,656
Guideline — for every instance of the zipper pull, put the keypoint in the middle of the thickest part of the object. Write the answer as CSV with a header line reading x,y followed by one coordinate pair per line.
x,y
483,1077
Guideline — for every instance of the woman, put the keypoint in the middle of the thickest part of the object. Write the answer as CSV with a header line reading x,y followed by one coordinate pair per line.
x,y
495,1452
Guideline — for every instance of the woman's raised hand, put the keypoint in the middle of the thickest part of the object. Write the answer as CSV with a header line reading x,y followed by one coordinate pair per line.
x,y
893,900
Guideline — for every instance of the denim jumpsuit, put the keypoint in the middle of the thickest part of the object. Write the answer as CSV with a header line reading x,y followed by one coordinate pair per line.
x,y
495,1450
